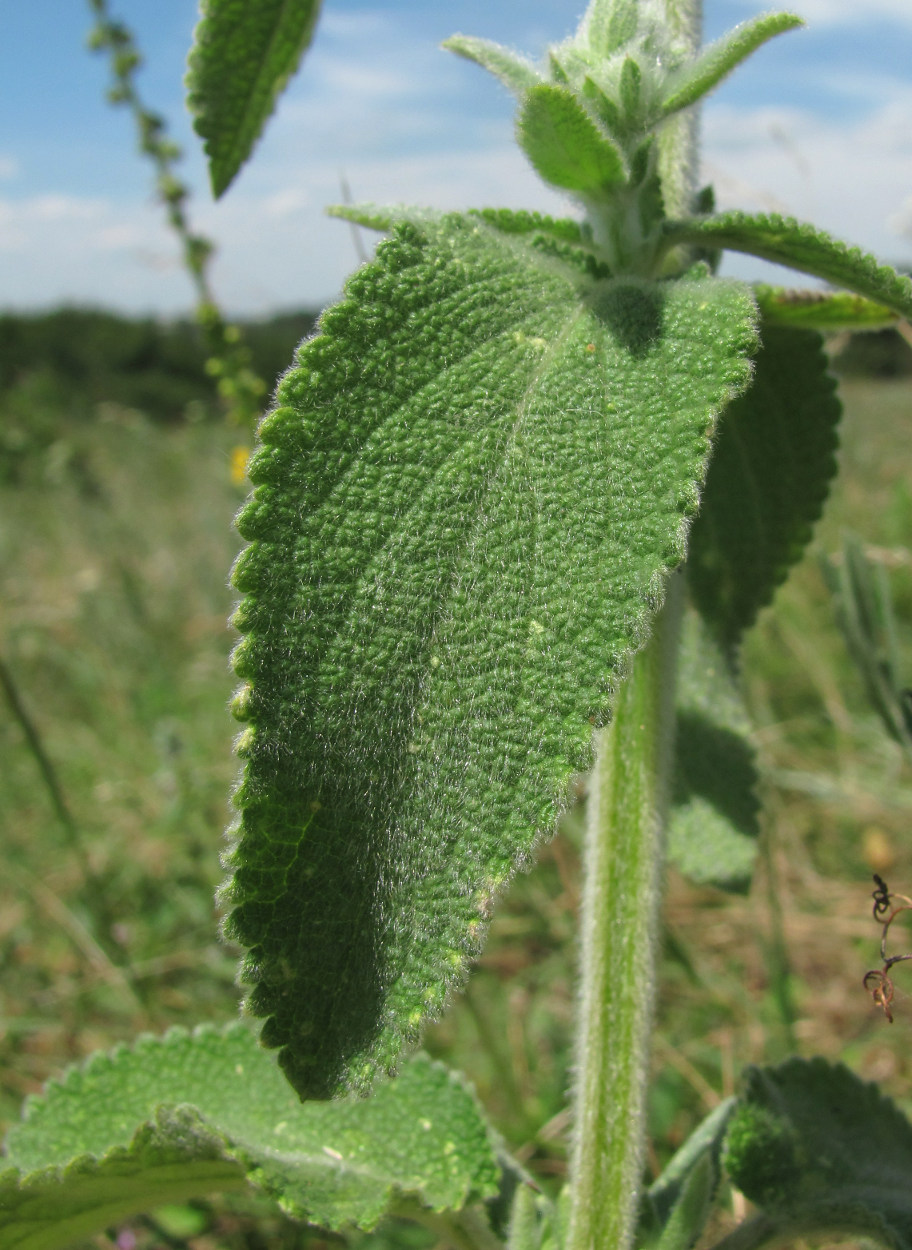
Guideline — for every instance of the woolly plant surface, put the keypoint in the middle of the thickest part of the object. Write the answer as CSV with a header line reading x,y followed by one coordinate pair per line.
x,y
242,57
817,1149
466,499
188,1114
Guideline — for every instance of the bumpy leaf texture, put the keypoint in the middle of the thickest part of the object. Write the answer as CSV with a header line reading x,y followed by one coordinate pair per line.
x,y
189,1114
800,246
466,500
242,57
770,475
818,1150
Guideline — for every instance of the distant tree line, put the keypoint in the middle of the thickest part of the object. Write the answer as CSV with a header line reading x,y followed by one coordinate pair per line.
x,y
72,359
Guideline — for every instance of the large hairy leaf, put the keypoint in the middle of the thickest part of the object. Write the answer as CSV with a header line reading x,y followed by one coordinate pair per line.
x,y
819,1150
770,475
466,499
242,57
189,1114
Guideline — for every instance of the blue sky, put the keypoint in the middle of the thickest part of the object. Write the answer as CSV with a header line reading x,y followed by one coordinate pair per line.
x,y
818,124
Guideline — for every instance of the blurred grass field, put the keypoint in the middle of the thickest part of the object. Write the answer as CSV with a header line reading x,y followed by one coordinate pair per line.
x,y
115,544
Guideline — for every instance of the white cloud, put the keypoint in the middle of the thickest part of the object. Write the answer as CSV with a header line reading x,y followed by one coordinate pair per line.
x,y
849,178
820,13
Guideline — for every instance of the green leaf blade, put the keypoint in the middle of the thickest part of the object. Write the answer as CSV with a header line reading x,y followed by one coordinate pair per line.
x,y
714,818
514,71
696,79
817,1149
477,439
564,144
786,241
821,310
242,57
770,475
186,1114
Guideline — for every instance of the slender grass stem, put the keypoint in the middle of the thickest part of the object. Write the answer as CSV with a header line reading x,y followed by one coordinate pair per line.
x,y
622,875
46,769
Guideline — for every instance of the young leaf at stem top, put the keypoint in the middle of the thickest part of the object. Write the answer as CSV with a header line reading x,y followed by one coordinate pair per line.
x,y
243,55
515,72
465,503
696,79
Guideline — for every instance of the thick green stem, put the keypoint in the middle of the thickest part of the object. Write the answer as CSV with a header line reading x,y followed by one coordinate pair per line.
x,y
622,875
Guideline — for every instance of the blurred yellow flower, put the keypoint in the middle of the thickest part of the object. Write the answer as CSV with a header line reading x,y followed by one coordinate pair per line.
x,y
239,457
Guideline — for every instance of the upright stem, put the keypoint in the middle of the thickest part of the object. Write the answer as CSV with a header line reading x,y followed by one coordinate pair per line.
x,y
622,870
679,137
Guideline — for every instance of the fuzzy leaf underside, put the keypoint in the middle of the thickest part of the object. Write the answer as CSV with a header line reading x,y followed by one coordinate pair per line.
x,y
465,502
821,310
714,818
717,61
786,241
563,142
770,474
188,1114
515,72
242,57
817,1149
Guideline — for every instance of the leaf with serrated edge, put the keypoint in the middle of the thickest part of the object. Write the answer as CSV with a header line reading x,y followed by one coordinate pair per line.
x,y
242,58
713,822
821,310
818,1150
187,1114
514,71
774,459
701,75
563,142
799,246
381,216
466,499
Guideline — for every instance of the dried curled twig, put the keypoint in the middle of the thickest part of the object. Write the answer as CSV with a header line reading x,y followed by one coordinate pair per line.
x,y
878,982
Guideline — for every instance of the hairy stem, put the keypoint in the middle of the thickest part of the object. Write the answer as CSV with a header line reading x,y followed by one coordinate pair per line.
x,y
622,876
679,137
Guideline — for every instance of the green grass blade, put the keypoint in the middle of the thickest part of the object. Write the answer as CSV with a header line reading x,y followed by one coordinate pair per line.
x,y
465,501
800,246
242,58
770,475
184,1115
